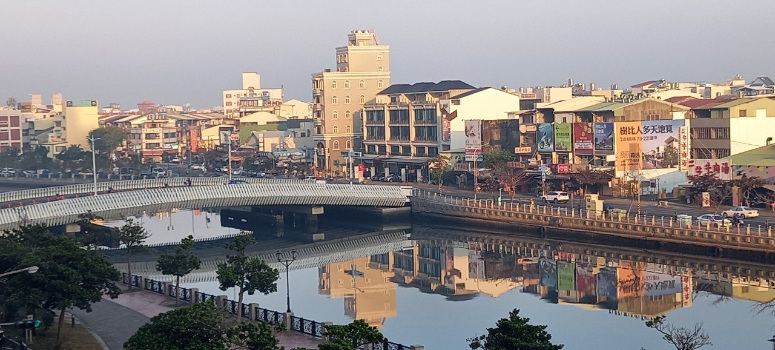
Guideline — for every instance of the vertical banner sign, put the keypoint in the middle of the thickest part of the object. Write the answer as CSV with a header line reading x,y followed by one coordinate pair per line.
x,y
548,272
604,137
583,138
566,275
684,148
628,146
585,280
194,141
705,199
545,138
473,130
562,137
607,282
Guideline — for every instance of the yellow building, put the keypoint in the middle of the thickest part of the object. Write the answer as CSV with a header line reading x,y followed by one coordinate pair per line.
x,y
81,117
362,70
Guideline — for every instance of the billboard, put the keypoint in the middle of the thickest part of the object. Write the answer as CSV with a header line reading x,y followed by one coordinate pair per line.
x,y
604,137
585,279
548,272
630,283
722,169
661,143
562,137
473,134
661,284
606,283
545,138
583,138
628,137
685,147
566,275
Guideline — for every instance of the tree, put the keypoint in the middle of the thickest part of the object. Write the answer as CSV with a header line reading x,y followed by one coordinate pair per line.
x,y
514,333
587,178
72,157
68,276
249,274
718,189
438,166
495,158
749,187
201,326
351,336
682,338
133,237
110,137
10,157
182,263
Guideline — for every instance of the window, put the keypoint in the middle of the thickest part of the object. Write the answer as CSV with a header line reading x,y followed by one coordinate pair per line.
x,y
228,103
336,144
336,129
347,115
333,84
349,129
335,115
361,84
346,84
334,100
379,84
228,95
363,99
379,57
347,144
347,100
379,69
743,113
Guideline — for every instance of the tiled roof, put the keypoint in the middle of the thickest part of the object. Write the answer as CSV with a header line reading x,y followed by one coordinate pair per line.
x,y
644,83
470,92
444,85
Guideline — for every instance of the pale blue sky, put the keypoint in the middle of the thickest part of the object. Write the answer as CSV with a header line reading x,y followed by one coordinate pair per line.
x,y
177,52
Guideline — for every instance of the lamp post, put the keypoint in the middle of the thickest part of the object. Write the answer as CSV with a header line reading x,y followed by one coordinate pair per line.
x,y
287,263
93,162
29,269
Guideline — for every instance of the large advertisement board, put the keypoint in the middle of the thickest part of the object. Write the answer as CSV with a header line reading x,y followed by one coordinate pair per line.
x,y
545,138
630,283
604,137
661,284
720,168
583,138
606,283
548,272
563,142
585,279
628,146
473,129
661,144
566,275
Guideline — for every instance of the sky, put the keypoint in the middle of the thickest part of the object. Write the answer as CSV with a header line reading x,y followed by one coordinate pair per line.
x,y
176,52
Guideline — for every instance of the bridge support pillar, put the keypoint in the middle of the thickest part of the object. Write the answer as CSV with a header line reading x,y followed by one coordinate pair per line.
x,y
302,225
253,311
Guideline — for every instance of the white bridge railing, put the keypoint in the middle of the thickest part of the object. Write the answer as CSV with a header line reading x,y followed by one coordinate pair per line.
x,y
127,203
69,190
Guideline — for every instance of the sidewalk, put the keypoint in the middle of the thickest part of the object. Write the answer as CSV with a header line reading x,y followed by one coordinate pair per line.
x,y
114,321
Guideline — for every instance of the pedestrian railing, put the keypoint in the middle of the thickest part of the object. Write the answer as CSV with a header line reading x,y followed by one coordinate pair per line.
x,y
249,311
638,225
57,192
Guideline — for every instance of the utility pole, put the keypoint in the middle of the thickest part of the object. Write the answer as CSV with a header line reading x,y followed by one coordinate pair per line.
x,y
350,159
229,166
94,162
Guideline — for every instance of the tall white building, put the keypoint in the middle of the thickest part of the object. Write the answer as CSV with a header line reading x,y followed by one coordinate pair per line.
x,y
251,98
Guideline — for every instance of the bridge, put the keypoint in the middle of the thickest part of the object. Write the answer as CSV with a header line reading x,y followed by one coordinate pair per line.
x,y
257,193
310,256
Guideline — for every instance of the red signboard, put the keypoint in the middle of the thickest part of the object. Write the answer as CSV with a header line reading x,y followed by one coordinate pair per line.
x,y
583,138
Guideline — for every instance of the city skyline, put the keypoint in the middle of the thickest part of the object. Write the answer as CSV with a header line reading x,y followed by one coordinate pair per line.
x,y
129,52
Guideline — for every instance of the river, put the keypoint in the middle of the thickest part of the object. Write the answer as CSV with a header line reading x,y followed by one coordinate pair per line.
x,y
446,285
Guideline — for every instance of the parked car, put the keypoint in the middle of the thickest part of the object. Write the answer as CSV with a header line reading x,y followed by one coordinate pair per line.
x,y
743,212
197,167
556,197
175,160
713,220
7,172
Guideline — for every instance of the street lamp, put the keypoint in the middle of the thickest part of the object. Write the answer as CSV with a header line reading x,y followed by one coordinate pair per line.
x,y
287,263
29,269
94,162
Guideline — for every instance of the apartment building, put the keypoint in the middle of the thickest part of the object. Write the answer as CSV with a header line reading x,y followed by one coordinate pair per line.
x,y
10,129
251,98
362,70
730,127
81,117
405,126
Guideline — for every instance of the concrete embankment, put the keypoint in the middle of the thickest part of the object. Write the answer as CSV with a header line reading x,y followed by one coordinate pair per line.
x,y
642,233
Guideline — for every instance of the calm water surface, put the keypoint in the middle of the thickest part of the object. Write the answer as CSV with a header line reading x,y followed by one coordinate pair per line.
x,y
438,292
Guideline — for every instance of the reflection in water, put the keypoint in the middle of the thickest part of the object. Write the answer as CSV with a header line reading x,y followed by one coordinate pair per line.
x,y
459,283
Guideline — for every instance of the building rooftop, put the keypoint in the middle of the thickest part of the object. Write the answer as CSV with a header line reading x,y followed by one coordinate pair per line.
x,y
444,85
762,156
572,104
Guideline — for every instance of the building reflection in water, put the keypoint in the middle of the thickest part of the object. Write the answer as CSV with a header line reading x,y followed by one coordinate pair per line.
x,y
461,271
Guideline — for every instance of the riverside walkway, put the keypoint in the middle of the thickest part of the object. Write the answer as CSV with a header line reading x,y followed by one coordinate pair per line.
x,y
114,321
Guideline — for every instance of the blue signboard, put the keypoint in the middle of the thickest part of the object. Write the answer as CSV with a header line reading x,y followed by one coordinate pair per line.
x,y
604,137
545,139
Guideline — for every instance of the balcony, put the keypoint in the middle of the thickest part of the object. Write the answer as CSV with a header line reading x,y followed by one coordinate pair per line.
x,y
399,138
399,121
375,122
424,122
426,139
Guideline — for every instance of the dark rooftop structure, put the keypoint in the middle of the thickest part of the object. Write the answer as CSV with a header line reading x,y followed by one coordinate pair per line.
x,y
444,85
